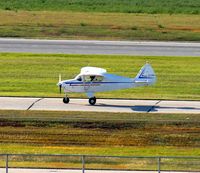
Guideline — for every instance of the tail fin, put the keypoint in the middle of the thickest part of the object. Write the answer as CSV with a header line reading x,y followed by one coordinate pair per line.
x,y
146,75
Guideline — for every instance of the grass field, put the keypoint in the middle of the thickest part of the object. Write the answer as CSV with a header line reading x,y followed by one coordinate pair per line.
x,y
99,129
37,75
123,6
117,134
101,26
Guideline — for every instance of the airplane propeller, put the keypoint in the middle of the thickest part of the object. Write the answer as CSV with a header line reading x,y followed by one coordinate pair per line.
x,y
60,85
59,77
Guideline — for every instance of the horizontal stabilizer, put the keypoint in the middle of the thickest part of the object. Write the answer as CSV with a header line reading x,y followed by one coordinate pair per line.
x,y
141,81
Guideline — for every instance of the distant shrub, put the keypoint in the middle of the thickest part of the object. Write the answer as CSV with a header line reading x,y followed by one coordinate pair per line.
x,y
160,26
153,12
134,28
7,8
128,11
83,24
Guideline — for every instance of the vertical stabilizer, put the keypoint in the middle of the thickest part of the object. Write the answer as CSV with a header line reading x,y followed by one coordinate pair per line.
x,y
146,75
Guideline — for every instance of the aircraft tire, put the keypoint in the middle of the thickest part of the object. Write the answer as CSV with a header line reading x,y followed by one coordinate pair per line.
x,y
92,100
66,100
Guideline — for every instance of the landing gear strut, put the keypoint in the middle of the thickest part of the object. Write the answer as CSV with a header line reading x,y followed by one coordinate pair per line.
x,y
92,100
66,100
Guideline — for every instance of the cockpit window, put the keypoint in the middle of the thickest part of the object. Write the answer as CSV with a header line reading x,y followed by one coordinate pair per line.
x,y
79,78
87,79
93,78
98,78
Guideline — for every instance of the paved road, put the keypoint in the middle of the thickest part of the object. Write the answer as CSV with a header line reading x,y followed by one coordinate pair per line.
x,y
102,105
101,47
77,171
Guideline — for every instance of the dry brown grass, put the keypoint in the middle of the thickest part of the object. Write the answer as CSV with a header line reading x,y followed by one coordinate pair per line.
x,y
106,22
100,19
29,128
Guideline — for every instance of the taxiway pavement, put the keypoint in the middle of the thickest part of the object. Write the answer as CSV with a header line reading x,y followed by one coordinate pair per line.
x,y
145,48
102,105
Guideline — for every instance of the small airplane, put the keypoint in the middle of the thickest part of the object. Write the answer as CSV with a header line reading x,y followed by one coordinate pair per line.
x,y
94,79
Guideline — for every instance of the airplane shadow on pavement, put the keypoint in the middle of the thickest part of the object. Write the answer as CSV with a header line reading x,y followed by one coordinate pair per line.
x,y
148,108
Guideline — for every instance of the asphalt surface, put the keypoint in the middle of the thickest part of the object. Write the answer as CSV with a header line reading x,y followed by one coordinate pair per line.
x,y
77,171
146,48
102,105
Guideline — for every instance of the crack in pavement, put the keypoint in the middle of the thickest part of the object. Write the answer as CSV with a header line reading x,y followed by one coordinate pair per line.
x,y
152,107
34,103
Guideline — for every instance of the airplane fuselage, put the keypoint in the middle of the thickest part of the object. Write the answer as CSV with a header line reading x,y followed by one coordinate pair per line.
x,y
110,82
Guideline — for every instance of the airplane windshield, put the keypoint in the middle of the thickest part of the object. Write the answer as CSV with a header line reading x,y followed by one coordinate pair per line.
x,y
79,78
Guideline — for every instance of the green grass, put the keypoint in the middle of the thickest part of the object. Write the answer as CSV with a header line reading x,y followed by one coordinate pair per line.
x,y
123,6
15,148
101,26
93,162
37,75
114,134
75,162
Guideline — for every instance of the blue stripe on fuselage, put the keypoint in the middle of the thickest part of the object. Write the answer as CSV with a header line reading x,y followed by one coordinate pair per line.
x,y
82,83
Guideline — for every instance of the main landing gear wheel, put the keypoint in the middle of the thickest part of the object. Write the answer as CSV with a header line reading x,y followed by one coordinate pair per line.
x,y
66,100
92,100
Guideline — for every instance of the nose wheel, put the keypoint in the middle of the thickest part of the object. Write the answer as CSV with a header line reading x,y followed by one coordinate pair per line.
x,y
92,100
66,100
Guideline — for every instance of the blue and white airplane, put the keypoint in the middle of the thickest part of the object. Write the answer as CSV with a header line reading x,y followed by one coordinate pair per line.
x,y
94,79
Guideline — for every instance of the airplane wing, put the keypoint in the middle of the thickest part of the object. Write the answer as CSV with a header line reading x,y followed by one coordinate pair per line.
x,y
92,74
95,71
